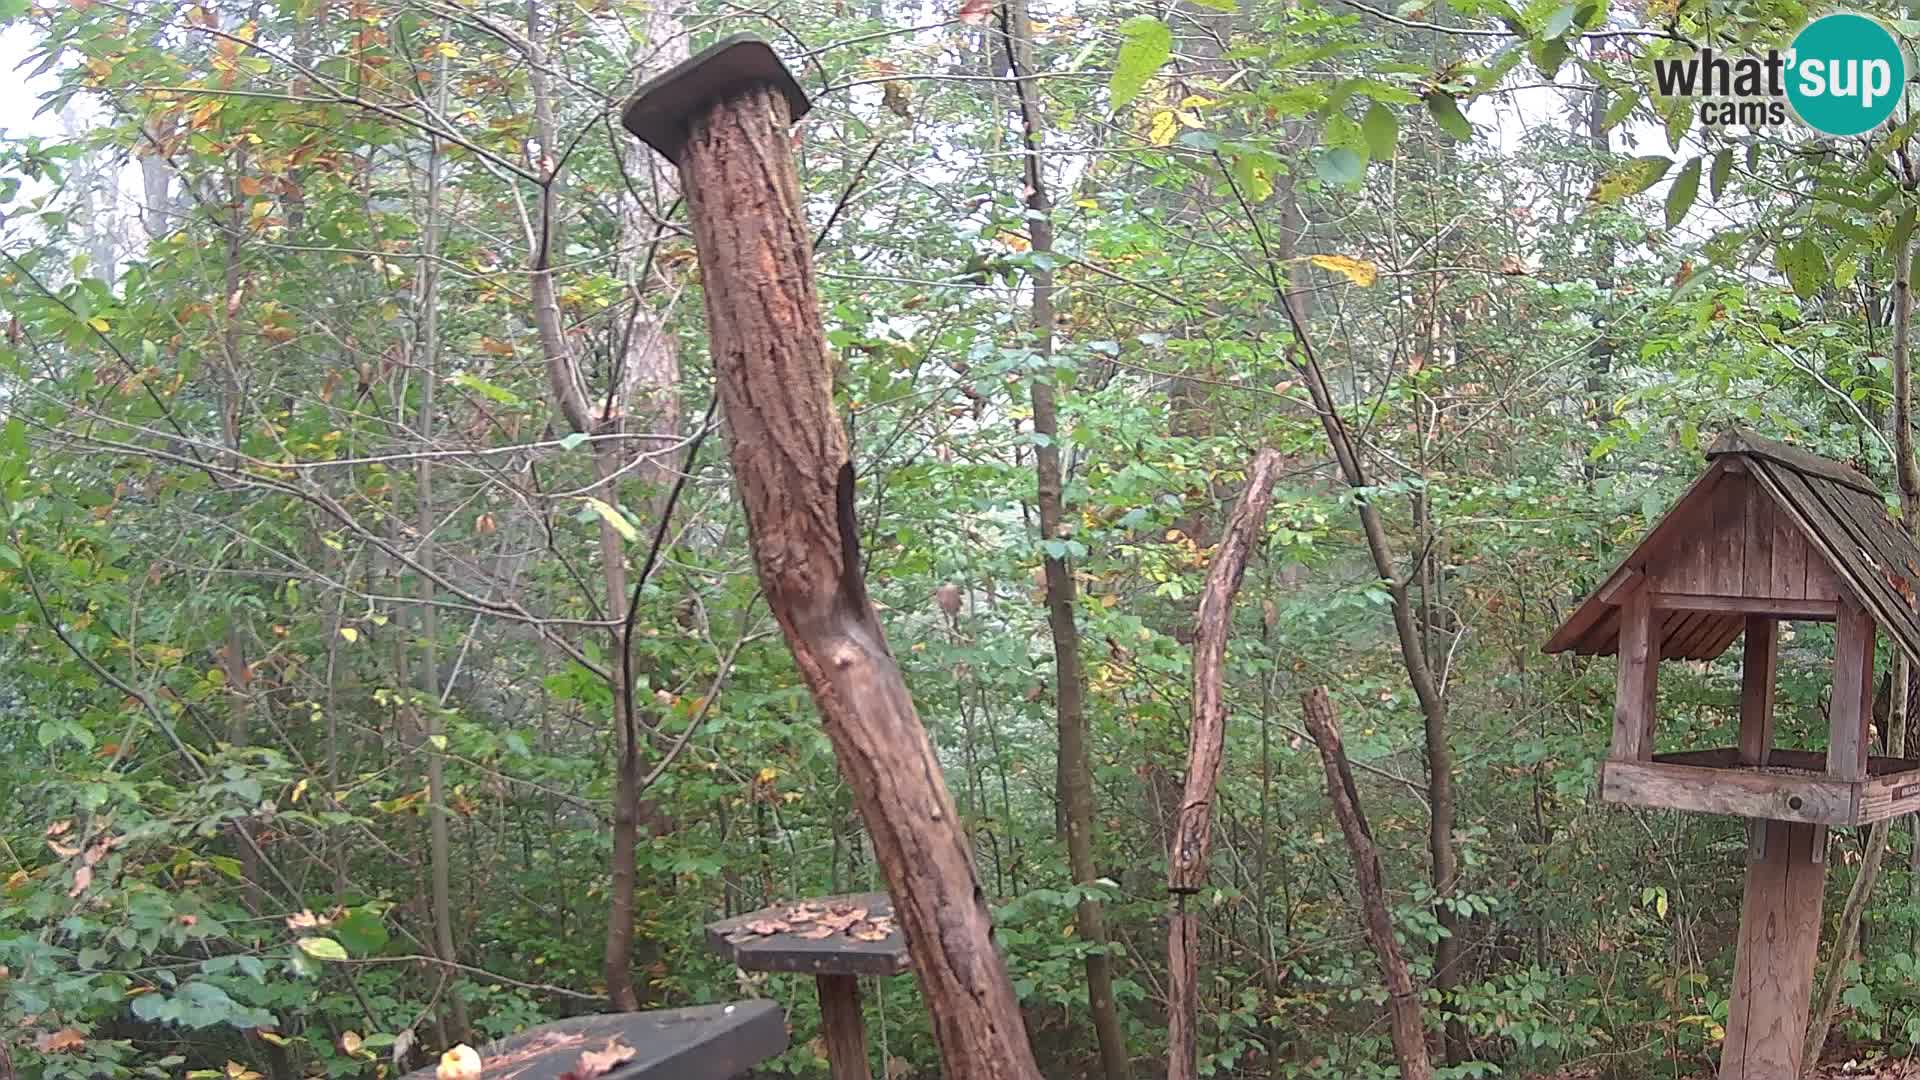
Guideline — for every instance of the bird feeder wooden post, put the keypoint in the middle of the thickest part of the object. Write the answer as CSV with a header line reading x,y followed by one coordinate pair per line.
x,y
1767,534
725,118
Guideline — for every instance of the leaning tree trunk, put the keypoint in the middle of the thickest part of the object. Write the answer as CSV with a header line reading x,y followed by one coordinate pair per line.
x,y
791,461
1405,1022
1206,747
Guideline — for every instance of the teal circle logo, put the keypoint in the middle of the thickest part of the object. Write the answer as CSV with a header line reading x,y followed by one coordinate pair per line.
x,y
1845,74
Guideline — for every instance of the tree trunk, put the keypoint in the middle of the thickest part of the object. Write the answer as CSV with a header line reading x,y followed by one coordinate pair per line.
x,y
1403,1005
1075,767
1193,832
1907,471
790,459
440,844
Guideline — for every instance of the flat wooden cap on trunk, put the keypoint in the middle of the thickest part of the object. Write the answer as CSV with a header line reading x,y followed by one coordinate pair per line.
x,y
658,112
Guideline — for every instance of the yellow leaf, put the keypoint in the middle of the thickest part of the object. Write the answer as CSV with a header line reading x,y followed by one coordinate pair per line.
x,y
1359,271
299,789
1086,204
99,324
1014,240
1164,127
769,774
449,50
350,634
350,1041
1194,101
614,519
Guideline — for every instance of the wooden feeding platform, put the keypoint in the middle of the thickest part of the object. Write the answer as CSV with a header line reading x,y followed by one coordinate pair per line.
x,y
1768,533
1792,785
836,939
707,1042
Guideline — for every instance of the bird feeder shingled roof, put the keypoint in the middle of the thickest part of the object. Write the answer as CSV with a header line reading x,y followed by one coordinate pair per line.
x,y
1768,528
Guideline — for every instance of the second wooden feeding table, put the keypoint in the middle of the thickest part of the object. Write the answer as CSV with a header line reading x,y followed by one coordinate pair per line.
x,y
836,939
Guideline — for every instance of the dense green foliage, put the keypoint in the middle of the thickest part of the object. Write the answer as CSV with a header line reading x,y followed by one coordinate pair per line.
x,y
216,544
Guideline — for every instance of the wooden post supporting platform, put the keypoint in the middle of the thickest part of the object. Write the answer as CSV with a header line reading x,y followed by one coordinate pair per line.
x,y
1779,943
844,1029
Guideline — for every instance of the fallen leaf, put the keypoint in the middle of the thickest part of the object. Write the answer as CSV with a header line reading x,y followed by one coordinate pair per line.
x,y
350,1042
597,1062
82,878
59,827
975,12
59,1042
816,932
764,927
304,920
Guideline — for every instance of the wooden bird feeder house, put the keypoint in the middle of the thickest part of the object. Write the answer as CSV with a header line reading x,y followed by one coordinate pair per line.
x,y
1768,533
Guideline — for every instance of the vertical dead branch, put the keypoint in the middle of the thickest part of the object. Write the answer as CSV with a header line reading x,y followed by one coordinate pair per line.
x,y
1403,1005
1193,831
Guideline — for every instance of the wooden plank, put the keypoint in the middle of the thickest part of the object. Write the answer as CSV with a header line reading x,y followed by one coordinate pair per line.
x,y
1777,607
1722,550
1672,527
1813,761
1890,794
1773,969
1789,573
1753,446
706,1042
1757,665
1850,710
1636,681
1711,635
843,1027
1816,800
1756,558
1675,627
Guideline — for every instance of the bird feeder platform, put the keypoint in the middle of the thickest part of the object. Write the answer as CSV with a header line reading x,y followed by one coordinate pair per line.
x,y
707,1042
836,939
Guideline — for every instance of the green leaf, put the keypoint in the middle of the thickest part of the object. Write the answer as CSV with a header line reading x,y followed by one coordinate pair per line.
x,y
12,9
1446,112
1382,131
1681,195
1902,234
1559,22
1342,167
1805,264
1227,6
484,389
1147,45
1631,178
614,518
1722,168
321,948
362,932
1618,110
574,441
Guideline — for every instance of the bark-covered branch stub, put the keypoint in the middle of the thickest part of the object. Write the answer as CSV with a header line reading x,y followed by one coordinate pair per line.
x,y
658,112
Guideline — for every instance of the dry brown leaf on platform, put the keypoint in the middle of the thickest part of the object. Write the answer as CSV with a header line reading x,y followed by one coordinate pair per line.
x,y
816,932
599,1062
766,927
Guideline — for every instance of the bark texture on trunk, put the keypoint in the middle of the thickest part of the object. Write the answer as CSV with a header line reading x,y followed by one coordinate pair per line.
x,y
1407,1026
1206,747
790,458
